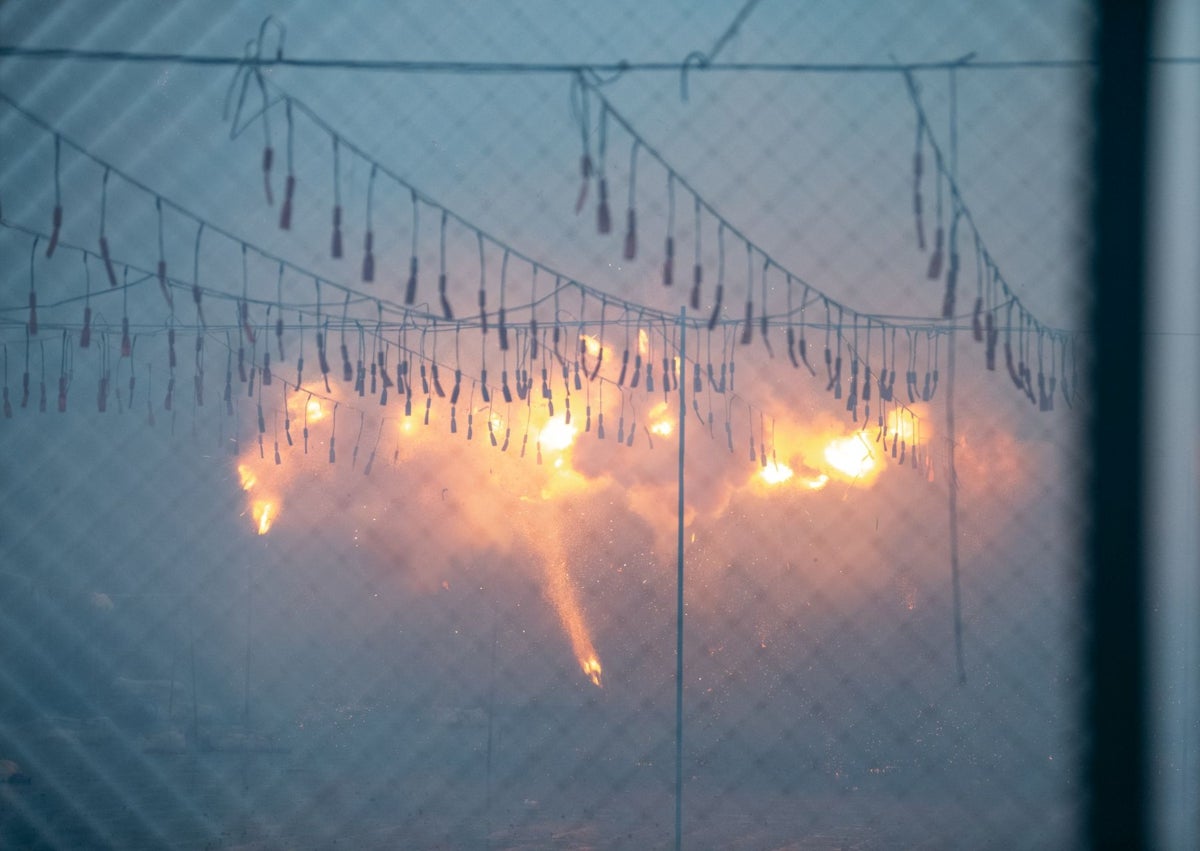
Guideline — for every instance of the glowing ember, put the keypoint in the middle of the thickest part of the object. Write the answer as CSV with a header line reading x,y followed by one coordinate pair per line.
x,y
643,342
591,667
264,514
776,474
817,482
851,457
315,411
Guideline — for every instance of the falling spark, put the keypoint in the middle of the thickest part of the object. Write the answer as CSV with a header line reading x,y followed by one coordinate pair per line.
x,y
565,599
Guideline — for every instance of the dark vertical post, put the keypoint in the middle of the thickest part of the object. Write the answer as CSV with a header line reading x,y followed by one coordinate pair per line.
x,y
1117,812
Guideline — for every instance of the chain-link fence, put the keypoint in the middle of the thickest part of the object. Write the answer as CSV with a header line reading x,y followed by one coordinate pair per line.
x,y
378,432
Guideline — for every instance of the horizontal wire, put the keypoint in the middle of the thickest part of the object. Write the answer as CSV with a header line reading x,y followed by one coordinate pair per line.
x,y
617,67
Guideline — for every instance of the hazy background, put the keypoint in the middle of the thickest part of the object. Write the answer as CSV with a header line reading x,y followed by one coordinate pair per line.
x,y
389,664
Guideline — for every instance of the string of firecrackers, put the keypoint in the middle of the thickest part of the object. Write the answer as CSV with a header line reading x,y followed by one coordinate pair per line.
x,y
795,317
990,282
168,283
993,292
797,354
585,376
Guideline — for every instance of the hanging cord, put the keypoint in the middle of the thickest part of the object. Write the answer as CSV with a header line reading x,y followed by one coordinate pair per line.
x,y
748,325
603,217
600,356
279,318
333,435
108,264
716,311
447,312
483,323
32,324
410,292
918,170
85,334
697,268
244,307
196,292
991,331
948,300
763,325
669,260
64,373
368,265
347,369
266,368
631,228
335,248
935,260
285,213
837,361
852,396
802,346
791,329
533,323
126,345
977,310
583,115
501,327
162,260
56,220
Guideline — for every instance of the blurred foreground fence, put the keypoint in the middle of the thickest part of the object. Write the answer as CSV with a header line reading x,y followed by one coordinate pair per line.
x,y
360,427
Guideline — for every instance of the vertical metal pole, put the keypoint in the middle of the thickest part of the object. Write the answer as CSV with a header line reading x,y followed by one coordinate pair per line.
x,y
679,595
951,436
1117,775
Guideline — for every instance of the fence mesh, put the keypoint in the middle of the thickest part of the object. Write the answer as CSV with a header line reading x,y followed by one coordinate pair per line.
x,y
383,549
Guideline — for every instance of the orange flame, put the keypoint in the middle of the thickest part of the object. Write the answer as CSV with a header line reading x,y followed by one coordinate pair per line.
x,y
776,474
661,422
851,457
248,479
264,514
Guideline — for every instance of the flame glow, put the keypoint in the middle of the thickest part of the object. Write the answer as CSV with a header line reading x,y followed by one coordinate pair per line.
x,y
263,513
776,474
249,480
851,457
661,422
556,435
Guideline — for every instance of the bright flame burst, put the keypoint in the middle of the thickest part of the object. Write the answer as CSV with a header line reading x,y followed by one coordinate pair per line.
x,y
851,457
776,474
557,435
